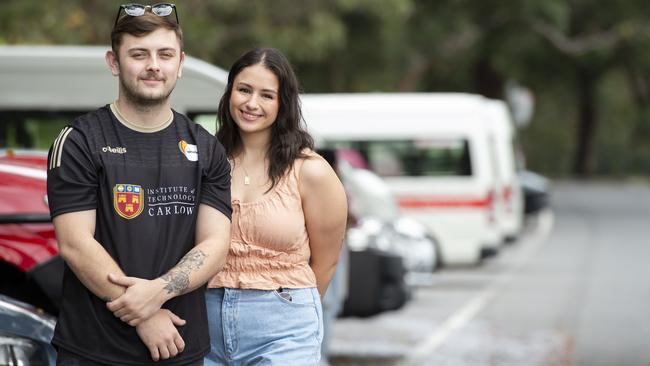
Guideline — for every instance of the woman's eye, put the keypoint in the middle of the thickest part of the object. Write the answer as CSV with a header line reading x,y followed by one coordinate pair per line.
x,y
244,90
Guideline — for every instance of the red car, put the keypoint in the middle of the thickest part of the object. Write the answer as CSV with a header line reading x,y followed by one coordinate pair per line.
x,y
30,268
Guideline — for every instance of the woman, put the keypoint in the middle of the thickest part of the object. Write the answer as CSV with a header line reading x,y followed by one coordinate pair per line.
x,y
289,215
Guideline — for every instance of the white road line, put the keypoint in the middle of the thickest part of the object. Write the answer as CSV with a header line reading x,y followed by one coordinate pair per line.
x,y
466,313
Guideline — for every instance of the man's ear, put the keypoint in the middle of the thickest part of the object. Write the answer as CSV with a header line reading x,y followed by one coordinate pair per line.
x,y
180,67
112,62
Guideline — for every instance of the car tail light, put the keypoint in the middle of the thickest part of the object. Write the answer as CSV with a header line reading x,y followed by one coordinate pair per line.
x,y
507,197
489,200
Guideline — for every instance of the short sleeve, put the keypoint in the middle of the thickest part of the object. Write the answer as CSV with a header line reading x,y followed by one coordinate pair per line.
x,y
71,175
216,182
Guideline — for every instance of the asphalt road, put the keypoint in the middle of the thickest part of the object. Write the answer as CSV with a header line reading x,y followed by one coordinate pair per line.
x,y
574,290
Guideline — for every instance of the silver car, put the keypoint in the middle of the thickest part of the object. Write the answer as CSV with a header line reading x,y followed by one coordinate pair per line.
x,y
25,334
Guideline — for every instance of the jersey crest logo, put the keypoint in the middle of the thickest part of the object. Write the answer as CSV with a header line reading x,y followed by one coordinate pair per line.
x,y
190,151
128,200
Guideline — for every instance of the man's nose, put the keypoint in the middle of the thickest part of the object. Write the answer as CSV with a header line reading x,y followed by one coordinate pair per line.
x,y
153,64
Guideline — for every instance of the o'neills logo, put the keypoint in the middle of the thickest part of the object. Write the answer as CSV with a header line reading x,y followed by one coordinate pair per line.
x,y
190,151
114,150
128,200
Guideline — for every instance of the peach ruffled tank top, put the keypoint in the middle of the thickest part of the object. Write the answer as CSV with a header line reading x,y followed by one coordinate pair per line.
x,y
269,246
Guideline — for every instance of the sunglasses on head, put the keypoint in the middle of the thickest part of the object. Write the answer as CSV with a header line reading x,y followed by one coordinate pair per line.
x,y
136,10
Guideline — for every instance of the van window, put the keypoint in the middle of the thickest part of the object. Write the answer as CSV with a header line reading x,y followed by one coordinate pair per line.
x,y
33,129
426,157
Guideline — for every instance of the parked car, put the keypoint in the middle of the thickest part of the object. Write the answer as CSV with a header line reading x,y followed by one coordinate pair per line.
x,y
30,268
509,200
537,191
25,334
381,225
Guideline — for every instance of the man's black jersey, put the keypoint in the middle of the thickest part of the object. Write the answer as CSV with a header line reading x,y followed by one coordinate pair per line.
x,y
146,189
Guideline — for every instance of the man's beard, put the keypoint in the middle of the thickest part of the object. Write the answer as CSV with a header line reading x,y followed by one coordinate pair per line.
x,y
137,98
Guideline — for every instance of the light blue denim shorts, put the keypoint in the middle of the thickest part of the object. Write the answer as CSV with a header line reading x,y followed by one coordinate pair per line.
x,y
261,327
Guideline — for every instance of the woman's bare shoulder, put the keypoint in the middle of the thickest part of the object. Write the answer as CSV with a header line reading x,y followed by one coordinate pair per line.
x,y
315,168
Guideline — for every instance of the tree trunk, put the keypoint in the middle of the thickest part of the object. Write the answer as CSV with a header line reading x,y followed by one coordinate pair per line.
x,y
587,122
414,74
487,81
639,86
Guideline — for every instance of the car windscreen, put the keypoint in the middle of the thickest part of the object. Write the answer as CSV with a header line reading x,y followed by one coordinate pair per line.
x,y
33,129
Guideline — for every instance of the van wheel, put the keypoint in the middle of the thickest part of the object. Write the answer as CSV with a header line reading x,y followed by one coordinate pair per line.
x,y
489,252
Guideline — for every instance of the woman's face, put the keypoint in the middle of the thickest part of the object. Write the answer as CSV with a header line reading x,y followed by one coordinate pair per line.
x,y
255,99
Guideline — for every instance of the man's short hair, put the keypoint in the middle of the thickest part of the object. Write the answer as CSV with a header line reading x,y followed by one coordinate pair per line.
x,y
141,26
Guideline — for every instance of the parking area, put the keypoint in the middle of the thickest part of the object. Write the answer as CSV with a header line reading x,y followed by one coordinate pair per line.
x,y
443,303
572,291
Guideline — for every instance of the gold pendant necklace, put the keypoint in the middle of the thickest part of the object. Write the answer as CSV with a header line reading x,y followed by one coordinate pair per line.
x,y
247,179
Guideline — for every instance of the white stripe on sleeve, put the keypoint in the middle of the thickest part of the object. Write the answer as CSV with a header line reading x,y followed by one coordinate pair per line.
x,y
55,148
60,152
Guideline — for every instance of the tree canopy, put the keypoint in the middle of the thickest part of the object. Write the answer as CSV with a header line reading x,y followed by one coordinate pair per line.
x,y
586,61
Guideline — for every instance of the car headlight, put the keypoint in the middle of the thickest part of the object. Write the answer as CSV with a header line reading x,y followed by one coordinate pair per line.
x,y
17,351
409,227
356,239
365,234
371,226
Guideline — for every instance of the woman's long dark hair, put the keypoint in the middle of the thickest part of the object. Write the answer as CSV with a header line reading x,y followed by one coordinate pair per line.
x,y
288,133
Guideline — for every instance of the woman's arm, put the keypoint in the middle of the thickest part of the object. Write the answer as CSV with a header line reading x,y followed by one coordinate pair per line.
x,y
325,207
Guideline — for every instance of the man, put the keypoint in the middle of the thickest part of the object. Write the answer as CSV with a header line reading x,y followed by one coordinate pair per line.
x,y
140,200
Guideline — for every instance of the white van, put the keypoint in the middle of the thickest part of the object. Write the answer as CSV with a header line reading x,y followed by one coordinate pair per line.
x,y
509,202
435,152
42,88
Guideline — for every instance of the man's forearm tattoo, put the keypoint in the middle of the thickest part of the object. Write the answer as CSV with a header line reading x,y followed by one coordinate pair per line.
x,y
177,279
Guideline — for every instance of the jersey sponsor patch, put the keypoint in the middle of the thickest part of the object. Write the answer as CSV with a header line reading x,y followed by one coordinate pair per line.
x,y
190,151
128,200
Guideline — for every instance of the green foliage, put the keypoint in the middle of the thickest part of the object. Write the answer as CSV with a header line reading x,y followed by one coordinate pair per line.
x,y
423,45
547,141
